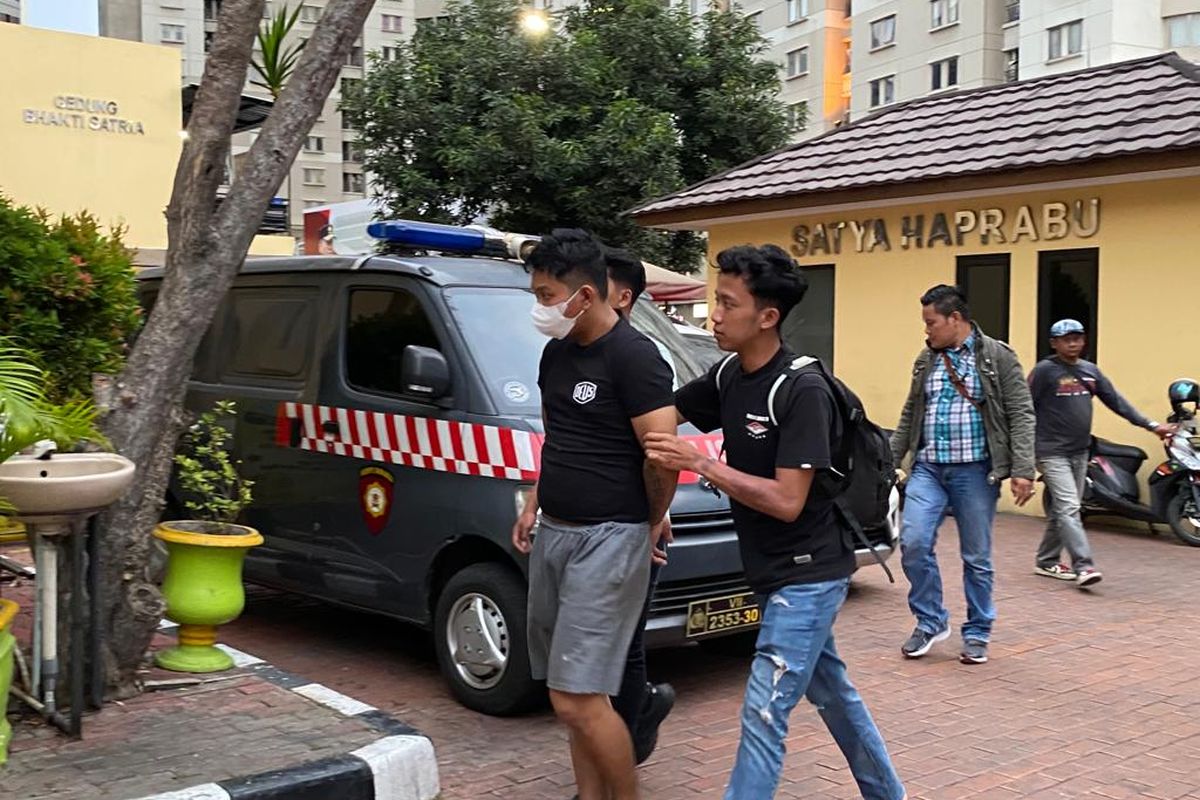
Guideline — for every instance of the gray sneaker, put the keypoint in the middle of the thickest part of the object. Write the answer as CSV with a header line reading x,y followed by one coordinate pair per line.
x,y
921,641
974,652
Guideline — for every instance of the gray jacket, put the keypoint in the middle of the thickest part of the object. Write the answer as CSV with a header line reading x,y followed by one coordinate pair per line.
x,y
1007,410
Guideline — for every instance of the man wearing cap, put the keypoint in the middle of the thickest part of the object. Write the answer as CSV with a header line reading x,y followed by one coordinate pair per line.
x,y
1062,386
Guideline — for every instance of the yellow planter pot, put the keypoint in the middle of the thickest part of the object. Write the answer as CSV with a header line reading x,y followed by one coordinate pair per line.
x,y
203,589
8,611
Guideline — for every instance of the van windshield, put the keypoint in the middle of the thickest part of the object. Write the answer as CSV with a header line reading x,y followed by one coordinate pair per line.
x,y
507,349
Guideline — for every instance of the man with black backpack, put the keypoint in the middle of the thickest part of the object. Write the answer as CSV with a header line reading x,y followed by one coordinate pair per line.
x,y
784,427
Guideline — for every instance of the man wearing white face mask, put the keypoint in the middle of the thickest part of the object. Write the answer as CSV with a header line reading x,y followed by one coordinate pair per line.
x,y
604,388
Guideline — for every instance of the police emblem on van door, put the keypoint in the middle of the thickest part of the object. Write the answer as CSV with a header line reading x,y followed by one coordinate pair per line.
x,y
585,392
375,496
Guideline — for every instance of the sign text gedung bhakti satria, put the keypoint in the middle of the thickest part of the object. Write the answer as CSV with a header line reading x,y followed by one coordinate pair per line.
x,y
1047,222
85,114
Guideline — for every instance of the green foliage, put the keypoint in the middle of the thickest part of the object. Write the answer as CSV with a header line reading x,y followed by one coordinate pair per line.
x,y
630,99
276,58
67,295
27,417
213,491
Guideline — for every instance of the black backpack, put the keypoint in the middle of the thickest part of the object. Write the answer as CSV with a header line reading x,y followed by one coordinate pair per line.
x,y
864,474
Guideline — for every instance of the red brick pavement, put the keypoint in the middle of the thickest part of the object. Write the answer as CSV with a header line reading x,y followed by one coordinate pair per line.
x,y
234,724
1088,694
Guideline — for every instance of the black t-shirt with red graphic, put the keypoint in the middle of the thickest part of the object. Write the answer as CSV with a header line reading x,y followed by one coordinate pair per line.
x,y
592,460
814,547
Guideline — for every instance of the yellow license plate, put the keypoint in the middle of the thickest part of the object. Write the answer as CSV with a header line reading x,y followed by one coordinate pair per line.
x,y
721,614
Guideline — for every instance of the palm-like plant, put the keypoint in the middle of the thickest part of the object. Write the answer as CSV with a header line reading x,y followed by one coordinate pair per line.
x,y
277,56
27,417
275,62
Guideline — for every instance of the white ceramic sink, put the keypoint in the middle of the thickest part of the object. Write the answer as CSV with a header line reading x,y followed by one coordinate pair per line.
x,y
63,486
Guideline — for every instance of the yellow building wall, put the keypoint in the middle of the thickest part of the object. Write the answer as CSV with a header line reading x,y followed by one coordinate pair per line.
x,y
1149,260
116,142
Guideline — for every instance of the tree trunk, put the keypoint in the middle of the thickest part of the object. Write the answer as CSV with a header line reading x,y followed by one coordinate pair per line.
x,y
206,247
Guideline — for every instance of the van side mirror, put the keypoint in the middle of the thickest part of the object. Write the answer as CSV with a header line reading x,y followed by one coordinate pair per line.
x,y
424,372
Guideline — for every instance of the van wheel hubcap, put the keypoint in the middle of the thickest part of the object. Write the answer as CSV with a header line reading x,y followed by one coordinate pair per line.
x,y
478,640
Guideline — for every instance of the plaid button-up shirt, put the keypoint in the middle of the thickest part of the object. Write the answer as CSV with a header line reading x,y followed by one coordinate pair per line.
x,y
953,432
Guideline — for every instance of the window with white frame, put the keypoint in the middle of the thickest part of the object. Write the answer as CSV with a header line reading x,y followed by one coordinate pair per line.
x,y
389,53
883,32
797,62
352,152
1183,30
1066,40
798,115
1012,11
172,34
355,57
353,183
944,73
797,10
315,144
392,23
310,13
942,13
314,177
883,91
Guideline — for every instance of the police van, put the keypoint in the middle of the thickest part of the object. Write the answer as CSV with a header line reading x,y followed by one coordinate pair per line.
x,y
388,413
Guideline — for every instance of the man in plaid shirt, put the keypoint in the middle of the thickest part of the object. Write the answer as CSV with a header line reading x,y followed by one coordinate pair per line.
x,y
967,425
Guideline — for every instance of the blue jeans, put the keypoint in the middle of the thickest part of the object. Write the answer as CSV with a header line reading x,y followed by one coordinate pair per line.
x,y
796,657
966,489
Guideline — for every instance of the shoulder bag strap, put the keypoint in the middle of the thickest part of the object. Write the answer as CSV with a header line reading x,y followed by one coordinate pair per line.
x,y
959,386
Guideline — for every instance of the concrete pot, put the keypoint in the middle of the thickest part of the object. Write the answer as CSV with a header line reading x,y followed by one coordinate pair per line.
x,y
203,589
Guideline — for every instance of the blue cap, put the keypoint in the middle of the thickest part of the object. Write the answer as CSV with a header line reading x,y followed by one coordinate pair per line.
x,y
1065,326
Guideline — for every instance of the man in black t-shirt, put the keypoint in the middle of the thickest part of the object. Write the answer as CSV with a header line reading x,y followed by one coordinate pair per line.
x,y
795,555
604,389
642,705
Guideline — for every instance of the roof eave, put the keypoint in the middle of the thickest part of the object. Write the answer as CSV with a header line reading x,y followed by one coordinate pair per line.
x,y
700,216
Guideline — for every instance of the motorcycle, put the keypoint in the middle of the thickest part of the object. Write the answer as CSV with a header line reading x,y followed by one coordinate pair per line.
x,y
1111,486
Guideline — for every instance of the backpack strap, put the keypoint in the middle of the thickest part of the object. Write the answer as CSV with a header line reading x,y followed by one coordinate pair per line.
x,y
719,379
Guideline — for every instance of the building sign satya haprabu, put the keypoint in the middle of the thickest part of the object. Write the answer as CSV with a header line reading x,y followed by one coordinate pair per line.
x,y
85,114
1047,222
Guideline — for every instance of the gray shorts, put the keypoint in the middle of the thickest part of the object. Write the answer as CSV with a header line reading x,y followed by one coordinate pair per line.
x,y
587,586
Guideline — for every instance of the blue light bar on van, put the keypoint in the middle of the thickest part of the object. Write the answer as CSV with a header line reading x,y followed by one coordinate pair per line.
x,y
473,239
430,235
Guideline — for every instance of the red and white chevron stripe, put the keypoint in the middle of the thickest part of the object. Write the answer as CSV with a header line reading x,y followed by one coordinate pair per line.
x,y
465,448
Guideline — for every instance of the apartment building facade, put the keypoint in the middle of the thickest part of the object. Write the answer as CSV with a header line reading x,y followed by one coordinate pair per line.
x,y
328,168
905,49
10,10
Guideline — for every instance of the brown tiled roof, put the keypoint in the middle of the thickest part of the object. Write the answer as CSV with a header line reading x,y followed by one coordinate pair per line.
x,y
1130,108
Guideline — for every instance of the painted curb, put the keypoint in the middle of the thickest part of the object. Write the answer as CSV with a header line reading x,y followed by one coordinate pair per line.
x,y
400,765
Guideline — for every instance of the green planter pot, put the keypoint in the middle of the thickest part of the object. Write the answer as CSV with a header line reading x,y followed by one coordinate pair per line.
x,y
203,589
8,610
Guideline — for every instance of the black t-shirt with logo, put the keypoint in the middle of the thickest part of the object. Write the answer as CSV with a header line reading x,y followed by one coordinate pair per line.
x,y
814,547
591,459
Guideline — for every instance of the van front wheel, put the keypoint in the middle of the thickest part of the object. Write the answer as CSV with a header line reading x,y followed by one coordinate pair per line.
x,y
479,631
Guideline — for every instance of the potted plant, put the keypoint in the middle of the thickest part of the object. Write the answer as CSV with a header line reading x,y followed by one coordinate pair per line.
x,y
203,583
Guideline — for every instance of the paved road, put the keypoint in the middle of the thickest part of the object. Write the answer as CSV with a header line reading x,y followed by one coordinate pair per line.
x,y
1088,694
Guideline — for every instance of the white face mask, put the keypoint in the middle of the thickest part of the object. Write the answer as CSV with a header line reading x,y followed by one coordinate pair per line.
x,y
552,320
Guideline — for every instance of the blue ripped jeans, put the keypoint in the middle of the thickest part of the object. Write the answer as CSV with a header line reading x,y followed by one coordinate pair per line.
x,y
796,657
